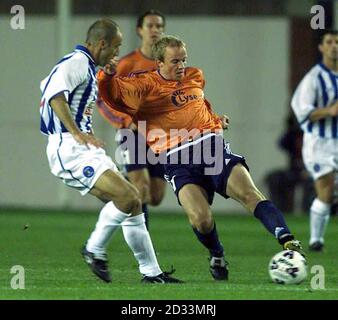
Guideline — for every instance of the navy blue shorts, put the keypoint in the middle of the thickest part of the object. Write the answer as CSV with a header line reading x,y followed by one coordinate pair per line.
x,y
133,153
207,163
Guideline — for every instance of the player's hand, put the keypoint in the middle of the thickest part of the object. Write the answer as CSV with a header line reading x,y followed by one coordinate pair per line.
x,y
225,121
334,110
88,139
110,68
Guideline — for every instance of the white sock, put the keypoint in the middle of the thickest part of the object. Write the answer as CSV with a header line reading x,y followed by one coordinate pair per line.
x,y
319,218
138,239
109,221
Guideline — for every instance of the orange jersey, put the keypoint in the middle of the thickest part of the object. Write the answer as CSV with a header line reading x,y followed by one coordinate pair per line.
x,y
173,111
133,62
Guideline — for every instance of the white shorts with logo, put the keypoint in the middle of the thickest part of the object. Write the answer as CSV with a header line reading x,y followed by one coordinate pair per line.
x,y
76,165
320,155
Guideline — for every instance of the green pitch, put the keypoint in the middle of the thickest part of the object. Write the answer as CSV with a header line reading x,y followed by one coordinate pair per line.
x,y
49,252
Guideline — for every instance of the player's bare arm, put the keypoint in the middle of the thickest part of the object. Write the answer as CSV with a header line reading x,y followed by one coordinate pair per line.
x,y
62,110
333,110
321,113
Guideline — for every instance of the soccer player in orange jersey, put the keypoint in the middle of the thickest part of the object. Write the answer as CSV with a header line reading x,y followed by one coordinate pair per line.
x,y
147,178
183,129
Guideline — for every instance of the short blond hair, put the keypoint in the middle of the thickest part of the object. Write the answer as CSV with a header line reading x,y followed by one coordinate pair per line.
x,y
158,48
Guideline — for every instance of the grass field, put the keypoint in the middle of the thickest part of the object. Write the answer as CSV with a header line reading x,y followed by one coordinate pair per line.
x,y
49,252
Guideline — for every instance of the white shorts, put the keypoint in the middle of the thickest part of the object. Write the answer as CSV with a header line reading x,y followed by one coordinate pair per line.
x,y
320,155
76,165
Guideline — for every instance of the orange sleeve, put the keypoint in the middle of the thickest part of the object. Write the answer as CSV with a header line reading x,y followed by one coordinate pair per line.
x,y
122,94
215,116
117,119
124,68
207,103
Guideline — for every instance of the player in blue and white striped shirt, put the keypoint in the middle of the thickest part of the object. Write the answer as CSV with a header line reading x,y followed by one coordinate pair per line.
x,y
77,157
315,103
74,75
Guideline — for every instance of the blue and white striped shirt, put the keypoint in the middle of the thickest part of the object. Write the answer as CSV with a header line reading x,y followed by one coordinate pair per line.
x,y
74,75
318,89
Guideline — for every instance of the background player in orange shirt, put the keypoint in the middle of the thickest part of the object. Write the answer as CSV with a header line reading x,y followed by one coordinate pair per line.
x,y
173,97
147,178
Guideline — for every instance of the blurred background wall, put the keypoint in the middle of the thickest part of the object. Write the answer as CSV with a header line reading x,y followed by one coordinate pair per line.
x,y
253,53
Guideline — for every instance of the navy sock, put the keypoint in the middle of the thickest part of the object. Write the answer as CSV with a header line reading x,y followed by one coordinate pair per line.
x,y
146,215
211,241
273,220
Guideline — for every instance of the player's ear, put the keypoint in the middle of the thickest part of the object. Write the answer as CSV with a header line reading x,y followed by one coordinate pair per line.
x,y
159,63
320,48
102,44
138,32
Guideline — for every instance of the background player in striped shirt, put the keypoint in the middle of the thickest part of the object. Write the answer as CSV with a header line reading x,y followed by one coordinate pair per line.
x,y
186,133
315,103
146,177
77,157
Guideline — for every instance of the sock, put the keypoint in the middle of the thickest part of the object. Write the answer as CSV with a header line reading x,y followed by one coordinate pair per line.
x,y
146,215
319,218
273,220
110,219
211,241
138,239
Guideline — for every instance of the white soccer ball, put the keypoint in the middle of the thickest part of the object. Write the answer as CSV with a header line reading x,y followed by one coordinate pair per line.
x,y
288,267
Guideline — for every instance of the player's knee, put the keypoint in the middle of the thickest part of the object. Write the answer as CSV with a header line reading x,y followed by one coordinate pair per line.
x,y
156,198
203,223
129,200
139,180
325,198
135,201
131,205
326,195
143,189
136,207
204,226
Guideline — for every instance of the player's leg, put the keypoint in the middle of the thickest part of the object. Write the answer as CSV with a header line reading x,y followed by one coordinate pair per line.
x,y
133,226
157,190
140,179
122,203
155,187
123,209
194,201
112,186
319,157
90,170
132,155
121,200
320,210
157,183
241,188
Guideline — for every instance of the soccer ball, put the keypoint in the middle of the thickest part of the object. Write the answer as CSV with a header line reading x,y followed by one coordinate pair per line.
x,y
288,267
